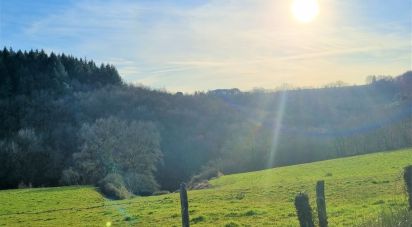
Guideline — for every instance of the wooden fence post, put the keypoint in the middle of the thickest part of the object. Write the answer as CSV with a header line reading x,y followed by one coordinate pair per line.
x,y
407,176
321,203
303,210
184,205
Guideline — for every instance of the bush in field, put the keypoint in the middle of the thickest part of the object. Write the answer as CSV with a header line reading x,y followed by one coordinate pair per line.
x,y
131,150
205,174
141,184
113,187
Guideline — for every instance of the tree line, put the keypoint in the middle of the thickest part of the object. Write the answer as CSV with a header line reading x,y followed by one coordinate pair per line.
x,y
66,120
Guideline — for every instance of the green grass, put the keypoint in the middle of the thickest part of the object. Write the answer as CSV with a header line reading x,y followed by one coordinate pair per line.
x,y
357,189
389,217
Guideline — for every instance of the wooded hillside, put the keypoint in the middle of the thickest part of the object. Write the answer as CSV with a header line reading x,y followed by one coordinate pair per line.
x,y
54,108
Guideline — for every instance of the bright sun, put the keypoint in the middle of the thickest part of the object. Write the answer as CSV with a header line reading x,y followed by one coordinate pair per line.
x,y
305,10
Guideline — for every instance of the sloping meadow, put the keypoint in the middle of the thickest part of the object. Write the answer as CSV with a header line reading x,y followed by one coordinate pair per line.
x,y
357,189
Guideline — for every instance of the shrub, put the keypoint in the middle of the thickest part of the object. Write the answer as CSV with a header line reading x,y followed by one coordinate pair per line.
x,y
204,175
140,184
112,186
112,145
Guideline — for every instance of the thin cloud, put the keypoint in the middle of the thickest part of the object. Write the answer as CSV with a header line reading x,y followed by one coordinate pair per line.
x,y
225,43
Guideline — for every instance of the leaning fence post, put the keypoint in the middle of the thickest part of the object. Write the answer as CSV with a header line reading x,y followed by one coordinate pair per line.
x,y
321,203
303,210
407,176
184,205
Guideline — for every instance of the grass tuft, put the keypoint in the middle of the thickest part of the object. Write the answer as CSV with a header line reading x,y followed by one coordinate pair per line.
x,y
232,224
198,219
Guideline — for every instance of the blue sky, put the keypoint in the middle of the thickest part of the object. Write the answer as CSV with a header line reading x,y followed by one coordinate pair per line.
x,y
193,45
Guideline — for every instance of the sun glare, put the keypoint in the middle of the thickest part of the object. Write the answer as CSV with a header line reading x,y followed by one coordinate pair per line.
x,y
305,10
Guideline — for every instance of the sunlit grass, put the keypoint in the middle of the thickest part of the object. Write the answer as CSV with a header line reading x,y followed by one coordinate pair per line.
x,y
357,189
390,217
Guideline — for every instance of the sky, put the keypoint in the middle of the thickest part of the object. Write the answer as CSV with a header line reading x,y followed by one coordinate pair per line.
x,y
198,45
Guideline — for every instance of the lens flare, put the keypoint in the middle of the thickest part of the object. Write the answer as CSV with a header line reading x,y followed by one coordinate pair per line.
x,y
277,128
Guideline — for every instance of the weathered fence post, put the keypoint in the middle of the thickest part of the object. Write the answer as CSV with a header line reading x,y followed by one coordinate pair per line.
x,y
184,205
303,210
407,176
321,203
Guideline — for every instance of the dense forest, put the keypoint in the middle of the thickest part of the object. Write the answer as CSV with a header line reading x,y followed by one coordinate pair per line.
x,y
66,120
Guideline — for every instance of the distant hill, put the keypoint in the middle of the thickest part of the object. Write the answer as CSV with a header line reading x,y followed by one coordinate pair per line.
x,y
355,193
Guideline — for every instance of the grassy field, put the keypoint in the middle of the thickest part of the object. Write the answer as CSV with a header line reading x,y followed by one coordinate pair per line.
x,y
357,189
